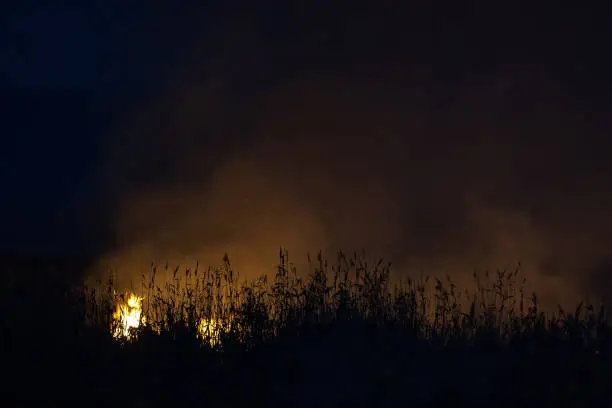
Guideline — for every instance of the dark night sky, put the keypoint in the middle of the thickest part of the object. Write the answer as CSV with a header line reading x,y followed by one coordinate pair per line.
x,y
440,136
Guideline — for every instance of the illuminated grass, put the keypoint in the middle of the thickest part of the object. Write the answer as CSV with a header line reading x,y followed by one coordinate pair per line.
x,y
344,331
216,306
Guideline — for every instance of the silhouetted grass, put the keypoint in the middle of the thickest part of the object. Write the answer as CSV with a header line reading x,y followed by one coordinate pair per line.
x,y
342,335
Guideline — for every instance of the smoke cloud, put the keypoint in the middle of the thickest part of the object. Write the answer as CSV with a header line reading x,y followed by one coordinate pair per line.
x,y
480,175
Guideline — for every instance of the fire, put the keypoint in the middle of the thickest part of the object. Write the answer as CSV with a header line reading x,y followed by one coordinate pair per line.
x,y
128,315
210,328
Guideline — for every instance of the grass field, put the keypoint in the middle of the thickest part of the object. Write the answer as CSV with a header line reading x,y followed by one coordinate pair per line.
x,y
342,336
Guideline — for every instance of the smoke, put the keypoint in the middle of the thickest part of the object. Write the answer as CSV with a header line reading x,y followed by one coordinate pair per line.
x,y
481,176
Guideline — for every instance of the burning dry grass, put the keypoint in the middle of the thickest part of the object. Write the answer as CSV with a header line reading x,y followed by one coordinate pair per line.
x,y
344,322
216,307
127,316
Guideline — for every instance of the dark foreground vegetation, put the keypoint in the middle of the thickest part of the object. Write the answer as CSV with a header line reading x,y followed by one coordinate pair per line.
x,y
343,336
